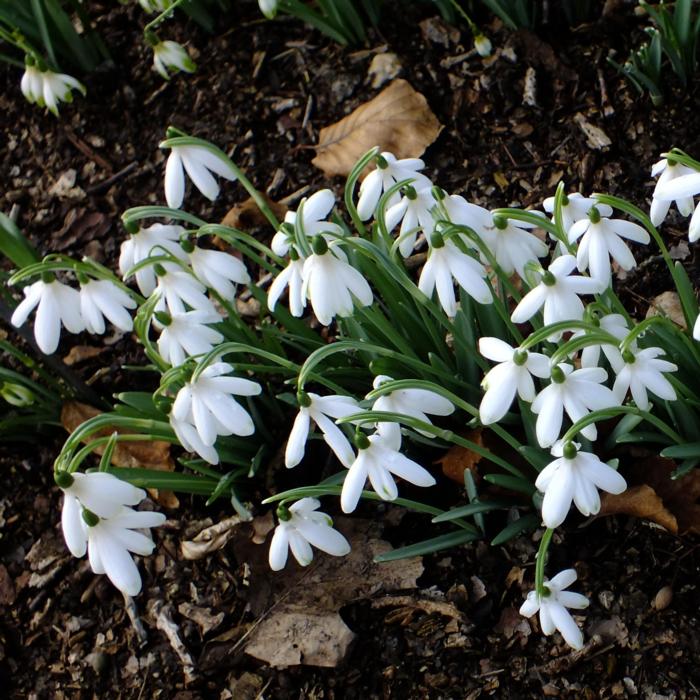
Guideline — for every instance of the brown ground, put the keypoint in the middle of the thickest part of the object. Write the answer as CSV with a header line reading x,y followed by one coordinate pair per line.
x,y
263,91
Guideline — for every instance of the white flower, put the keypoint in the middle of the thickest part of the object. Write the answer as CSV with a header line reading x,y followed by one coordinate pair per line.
x,y
512,244
513,373
616,325
389,172
681,189
57,88
409,402
557,291
315,211
268,8
171,55
413,210
319,409
158,239
177,287
575,476
187,335
189,438
101,493
601,239
332,285
306,526
155,5
56,304
218,270
640,371
577,392
32,84
575,207
110,543
197,160
444,263
696,329
208,403
102,298
378,461
482,44
290,277
660,204
553,608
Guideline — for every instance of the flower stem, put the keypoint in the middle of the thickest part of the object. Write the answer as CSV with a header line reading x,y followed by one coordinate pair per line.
x,y
541,561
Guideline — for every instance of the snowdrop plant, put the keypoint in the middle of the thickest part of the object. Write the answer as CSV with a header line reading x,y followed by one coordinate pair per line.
x,y
384,357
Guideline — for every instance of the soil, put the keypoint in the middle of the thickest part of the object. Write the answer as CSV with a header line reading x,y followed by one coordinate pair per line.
x,y
262,91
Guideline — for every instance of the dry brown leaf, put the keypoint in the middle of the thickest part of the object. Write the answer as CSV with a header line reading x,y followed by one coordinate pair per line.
x,y
668,304
398,120
210,539
639,502
383,68
246,215
673,504
457,459
80,353
149,454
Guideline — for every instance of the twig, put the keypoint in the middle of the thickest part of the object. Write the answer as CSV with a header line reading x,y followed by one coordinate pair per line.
x,y
112,179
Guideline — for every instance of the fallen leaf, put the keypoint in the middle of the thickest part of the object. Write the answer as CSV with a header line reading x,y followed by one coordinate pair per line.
x,y
246,215
458,459
262,526
210,539
668,304
203,617
146,454
639,502
298,608
596,138
398,120
80,353
384,67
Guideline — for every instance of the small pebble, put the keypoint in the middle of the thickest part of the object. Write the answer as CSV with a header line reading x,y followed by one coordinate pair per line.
x,y
663,598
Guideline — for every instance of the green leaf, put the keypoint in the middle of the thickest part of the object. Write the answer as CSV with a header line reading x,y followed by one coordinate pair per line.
x,y
434,544
513,483
528,522
14,244
472,509
689,449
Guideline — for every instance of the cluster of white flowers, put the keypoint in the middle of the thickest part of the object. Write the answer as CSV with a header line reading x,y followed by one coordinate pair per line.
x,y
46,88
98,519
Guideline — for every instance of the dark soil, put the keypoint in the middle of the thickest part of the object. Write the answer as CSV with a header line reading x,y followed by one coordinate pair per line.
x,y
262,91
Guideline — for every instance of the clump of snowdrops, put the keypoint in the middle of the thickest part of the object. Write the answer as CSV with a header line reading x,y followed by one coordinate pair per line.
x,y
394,325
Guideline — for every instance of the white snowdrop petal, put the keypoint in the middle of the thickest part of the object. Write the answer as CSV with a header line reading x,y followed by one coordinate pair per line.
x,y
296,443
566,625
557,499
562,580
279,547
73,532
409,470
684,186
382,483
174,180
353,484
119,566
202,179
32,296
323,537
576,601
301,549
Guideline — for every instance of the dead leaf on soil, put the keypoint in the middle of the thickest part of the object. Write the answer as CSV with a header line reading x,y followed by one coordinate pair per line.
x,y
668,304
458,459
246,215
673,504
149,454
398,120
596,138
80,353
298,609
210,539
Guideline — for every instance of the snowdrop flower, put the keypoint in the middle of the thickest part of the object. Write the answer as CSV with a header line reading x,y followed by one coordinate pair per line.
x,y
512,244
102,298
668,171
601,239
482,44
575,207
513,373
416,403
577,392
208,403
185,334
190,440
696,329
321,409
101,493
446,261
55,304
199,162
143,243
302,525
177,287
331,284
56,87
32,84
315,211
378,458
641,371
681,189
553,608
155,5
413,210
290,277
171,55
269,8
616,325
389,172
111,541
557,291
217,270
575,476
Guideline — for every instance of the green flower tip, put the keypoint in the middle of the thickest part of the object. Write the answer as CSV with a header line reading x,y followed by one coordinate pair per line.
x,y
570,450
628,357
381,162
500,222
304,399
557,375
159,270
594,215
361,440
438,193
47,277
131,226
319,245
29,60
186,244
63,479
283,514
151,38
548,279
410,192
163,317
520,357
90,518
436,240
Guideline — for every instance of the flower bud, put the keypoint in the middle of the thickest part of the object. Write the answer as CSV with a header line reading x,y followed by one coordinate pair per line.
x,y
63,479
482,44
17,395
